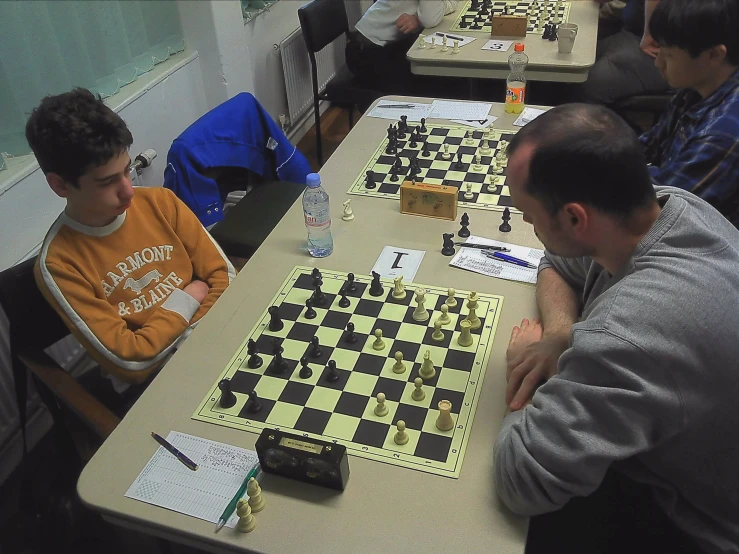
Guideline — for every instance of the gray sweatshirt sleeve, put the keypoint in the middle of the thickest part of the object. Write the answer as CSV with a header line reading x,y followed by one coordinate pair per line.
x,y
610,401
574,270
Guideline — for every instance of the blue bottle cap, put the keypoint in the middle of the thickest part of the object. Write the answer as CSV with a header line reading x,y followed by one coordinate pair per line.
x,y
313,180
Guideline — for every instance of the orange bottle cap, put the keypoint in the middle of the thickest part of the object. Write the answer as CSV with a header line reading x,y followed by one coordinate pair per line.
x,y
518,47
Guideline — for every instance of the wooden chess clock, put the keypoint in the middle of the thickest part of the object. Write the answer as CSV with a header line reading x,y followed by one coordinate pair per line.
x,y
508,26
298,457
439,201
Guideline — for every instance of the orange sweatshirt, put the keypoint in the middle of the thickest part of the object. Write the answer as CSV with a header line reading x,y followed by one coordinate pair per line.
x,y
119,287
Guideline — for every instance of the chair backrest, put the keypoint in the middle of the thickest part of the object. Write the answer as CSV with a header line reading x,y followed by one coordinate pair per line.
x,y
322,22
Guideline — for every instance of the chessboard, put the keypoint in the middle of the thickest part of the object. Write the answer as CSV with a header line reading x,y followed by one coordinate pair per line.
x,y
476,15
487,188
342,410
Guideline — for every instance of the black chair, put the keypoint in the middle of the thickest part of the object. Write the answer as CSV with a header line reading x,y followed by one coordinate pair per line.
x,y
322,22
34,326
653,104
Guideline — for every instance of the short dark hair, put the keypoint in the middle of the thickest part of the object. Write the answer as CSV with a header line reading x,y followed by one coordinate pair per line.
x,y
696,26
585,153
71,132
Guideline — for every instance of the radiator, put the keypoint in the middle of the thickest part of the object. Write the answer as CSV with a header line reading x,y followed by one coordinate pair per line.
x,y
296,67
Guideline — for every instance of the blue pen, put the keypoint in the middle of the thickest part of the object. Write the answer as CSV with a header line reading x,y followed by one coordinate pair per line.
x,y
510,259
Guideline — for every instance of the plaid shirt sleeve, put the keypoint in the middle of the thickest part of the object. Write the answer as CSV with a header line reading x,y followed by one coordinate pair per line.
x,y
707,166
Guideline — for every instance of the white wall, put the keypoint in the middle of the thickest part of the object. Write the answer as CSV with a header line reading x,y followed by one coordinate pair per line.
x,y
156,117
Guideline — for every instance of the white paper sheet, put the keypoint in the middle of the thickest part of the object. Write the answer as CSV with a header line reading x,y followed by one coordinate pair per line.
x,y
473,259
204,493
469,111
527,116
495,45
394,261
438,38
415,111
477,124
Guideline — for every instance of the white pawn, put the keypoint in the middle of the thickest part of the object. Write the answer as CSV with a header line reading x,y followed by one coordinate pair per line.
x,y
446,155
433,43
399,290
254,491
348,213
437,335
398,366
420,313
468,138
378,344
418,393
477,165
444,317
490,183
485,148
427,371
422,42
468,194
444,46
381,410
455,49
247,522
451,301
401,437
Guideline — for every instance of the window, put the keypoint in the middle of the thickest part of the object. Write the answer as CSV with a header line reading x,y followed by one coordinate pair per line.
x,y
51,46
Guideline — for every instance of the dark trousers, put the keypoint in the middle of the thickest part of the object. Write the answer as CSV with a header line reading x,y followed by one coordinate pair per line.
x,y
621,517
381,68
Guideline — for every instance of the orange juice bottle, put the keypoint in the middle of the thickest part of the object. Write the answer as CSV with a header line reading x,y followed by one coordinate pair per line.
x,y
515,95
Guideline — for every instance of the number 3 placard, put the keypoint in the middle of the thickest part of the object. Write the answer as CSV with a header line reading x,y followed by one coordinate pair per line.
x,y
497,45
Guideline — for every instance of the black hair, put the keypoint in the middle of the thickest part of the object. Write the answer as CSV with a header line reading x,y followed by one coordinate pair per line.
x,y
696,26
585,153
71,132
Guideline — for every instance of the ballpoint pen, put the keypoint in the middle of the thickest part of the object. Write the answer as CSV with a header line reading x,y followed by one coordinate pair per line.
x,y
179,455
482,246
396,105
449,36
254,471
509,259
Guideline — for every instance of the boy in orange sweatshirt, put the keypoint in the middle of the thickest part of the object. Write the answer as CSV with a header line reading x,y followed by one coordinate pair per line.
x,y
130,270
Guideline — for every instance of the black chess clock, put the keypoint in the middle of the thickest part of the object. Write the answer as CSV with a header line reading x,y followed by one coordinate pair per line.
x,y
298,457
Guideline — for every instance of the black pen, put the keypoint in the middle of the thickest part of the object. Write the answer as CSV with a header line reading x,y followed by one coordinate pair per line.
x,y
481,246
449,36
179,455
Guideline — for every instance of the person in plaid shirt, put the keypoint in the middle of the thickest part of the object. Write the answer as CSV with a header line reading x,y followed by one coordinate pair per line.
x,y
695,144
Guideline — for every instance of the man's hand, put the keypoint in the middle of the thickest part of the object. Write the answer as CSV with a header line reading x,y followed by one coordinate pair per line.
x,y
649,45
531,357
408,23
198,290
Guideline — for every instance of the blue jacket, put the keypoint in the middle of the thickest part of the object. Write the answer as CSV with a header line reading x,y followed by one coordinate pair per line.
x,y
237,134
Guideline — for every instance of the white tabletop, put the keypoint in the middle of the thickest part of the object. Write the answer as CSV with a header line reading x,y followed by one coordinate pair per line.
x,y
545,62
385,507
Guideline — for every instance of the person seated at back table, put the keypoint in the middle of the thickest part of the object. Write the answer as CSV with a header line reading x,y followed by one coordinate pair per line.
x,y
622,68
695,144
129,270
376,51
638,293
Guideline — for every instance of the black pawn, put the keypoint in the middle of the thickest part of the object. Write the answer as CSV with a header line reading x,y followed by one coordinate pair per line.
x,y
464,232
350,337
394,174
343,301
425,152
228,398
547,31
310,313
459,164
278,365
505,226
448,248
253,405
352,286
423,129
553,34
414,140
316,348
319,298
305,371
275,323
254,360
369,182
333,374
376,287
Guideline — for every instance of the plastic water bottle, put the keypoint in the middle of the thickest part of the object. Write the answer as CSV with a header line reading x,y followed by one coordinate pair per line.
x,y
515,94
317,218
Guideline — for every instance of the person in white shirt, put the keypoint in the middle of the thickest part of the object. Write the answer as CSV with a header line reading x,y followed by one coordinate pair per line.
x,y
376,50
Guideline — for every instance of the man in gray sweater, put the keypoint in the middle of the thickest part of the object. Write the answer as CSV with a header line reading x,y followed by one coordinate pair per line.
x,y
638,294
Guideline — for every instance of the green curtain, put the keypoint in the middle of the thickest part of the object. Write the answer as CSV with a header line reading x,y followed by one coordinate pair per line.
x,y
51,46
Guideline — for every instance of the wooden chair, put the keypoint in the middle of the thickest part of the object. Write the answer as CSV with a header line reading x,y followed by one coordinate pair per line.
x,y
34,326
322,22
